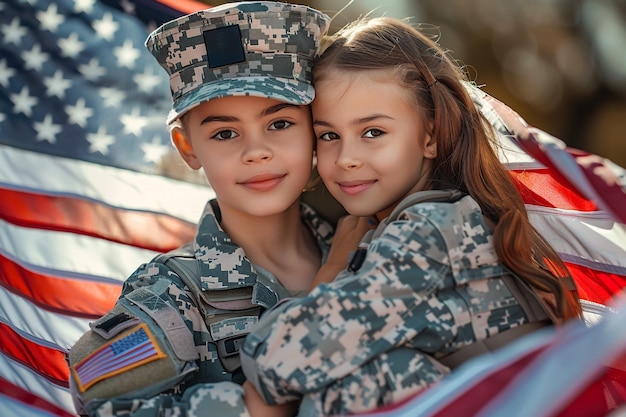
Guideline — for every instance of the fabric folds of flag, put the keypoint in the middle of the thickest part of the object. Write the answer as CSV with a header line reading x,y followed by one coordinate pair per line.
x,y
84,198
84,201
575,200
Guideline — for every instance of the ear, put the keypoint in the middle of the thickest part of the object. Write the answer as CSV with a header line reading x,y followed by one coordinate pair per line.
x,y
430,147
179,139
430,143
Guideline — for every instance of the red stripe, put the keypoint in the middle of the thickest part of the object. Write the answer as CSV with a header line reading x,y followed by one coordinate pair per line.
x,y
87,299
597,286
544,188
470,402
153,231
184,6
26,397
599,397
603,181
49,363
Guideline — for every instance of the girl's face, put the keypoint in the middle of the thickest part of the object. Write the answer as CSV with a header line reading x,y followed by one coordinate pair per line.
x,y
256,152
373,148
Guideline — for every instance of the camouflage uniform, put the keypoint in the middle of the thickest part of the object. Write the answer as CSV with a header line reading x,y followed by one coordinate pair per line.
x,y
430,284
230,294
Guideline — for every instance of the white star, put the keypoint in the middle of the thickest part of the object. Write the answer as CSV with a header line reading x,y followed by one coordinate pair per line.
x,y
134,122
154,152
47,130
71,46
112,97
83,5
126,54
106,27
92,71
100,141
147,81
35,58
56,85
13,33
5,73
79,113
50,19
23,102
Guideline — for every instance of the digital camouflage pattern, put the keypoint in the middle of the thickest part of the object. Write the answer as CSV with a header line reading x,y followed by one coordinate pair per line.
x,y
429,285
224,303
257,48
223,399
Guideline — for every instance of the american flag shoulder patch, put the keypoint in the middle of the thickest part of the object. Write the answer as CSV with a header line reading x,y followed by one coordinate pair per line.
x,y
130,350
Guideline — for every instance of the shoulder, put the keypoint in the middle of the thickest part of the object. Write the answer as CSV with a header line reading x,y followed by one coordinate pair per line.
x,y
440,225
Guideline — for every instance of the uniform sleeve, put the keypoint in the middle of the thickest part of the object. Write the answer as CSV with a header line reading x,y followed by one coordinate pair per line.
x,y
306,344
224,399
143,347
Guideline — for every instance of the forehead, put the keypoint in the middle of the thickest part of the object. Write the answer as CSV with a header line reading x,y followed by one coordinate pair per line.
x,y
241,109
352,91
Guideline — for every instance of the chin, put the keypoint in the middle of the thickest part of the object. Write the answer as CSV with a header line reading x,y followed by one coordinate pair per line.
x,y
359,210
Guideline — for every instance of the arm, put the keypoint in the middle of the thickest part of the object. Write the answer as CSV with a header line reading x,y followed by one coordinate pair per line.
x,y
342,325
147,318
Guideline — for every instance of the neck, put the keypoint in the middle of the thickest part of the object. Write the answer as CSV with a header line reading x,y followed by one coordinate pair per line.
x,y
279,243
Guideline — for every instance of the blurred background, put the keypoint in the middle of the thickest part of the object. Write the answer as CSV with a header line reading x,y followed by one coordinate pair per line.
x,y
561,64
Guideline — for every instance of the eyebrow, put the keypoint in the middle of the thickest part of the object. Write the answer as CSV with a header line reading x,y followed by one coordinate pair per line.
x,y
358,121
265,112
278,107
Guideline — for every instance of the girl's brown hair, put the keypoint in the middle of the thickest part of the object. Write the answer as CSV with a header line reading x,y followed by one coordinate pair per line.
x,y
466,157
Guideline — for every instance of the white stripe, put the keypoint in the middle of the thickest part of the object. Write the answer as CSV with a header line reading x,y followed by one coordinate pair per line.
x,y
70,254
591,237
29,380
515,158
49,329
35,172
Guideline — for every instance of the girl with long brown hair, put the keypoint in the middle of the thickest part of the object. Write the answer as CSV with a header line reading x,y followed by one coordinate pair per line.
x,y
455,267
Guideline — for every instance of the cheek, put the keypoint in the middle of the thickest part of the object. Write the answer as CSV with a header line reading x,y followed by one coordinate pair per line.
x,y
217,168
325,161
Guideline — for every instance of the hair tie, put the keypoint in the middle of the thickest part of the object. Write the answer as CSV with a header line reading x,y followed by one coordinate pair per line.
x,y
433,83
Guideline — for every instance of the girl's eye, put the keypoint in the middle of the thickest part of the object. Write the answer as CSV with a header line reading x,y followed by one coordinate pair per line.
x,y
280,125
373,133
328,136
225,135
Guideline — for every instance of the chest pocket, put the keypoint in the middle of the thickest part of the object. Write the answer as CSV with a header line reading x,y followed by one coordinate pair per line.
x,y
230,314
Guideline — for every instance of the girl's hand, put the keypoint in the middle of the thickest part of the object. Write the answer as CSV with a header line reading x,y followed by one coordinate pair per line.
x,y
258,408
350,230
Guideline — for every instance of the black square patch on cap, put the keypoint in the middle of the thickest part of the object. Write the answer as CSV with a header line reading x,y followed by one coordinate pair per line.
x,y
224,46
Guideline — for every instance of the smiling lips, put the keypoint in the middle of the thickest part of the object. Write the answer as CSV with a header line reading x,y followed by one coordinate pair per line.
x,y
263,182
355,187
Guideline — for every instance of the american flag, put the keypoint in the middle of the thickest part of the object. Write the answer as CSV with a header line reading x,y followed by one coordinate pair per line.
x,y
132,348
84,198
83,149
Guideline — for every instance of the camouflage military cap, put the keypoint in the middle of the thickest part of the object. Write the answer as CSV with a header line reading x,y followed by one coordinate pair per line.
x,y
256,48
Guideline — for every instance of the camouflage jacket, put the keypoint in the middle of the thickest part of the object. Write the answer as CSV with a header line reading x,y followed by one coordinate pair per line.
x,y
170,333
430,284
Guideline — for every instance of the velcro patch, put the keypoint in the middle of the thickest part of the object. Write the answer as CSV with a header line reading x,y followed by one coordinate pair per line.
x,y
234,326
128,351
